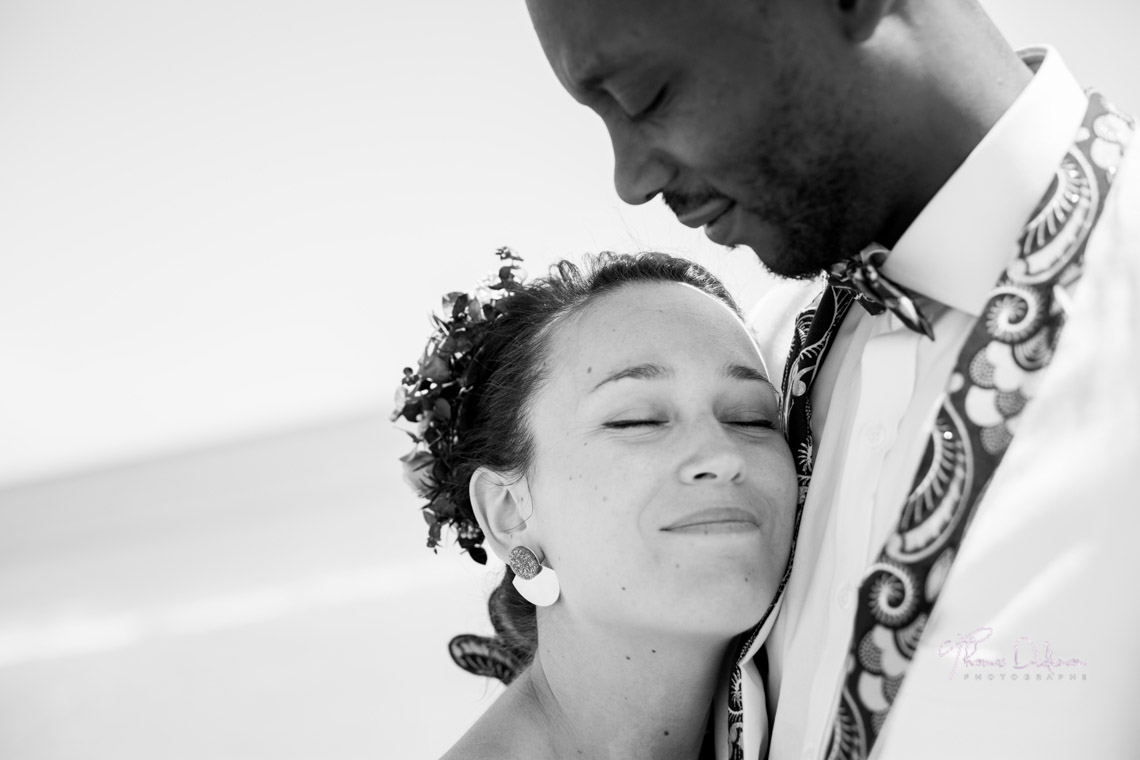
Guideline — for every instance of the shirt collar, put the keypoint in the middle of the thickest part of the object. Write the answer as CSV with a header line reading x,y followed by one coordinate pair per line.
x,y
956,249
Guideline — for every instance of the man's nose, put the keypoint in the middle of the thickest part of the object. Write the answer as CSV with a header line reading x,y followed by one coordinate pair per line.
x,y
640,172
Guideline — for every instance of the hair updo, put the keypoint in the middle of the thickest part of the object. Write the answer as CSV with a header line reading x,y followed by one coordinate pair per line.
x,y
492,422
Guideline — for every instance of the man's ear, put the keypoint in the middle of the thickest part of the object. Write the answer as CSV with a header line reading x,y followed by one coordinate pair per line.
x,y
860,18
502,506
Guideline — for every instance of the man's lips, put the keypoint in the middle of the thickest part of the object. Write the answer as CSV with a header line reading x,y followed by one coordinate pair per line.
x,y
715,516
709,211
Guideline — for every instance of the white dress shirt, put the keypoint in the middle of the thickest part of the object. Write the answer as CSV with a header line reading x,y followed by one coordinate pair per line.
x,y
1049,554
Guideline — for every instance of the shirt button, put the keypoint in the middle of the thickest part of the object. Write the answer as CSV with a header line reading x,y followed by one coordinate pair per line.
x,y
874,435
846,597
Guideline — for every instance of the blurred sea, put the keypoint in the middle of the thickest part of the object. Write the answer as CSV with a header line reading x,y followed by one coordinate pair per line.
x,y
267,599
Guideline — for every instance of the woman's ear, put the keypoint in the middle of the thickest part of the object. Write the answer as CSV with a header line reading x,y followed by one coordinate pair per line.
x,y
502,507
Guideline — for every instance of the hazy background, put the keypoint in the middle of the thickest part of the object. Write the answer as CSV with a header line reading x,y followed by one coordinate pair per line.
x,y
222,226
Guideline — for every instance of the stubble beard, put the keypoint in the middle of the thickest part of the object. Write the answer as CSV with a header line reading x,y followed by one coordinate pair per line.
x,y
807,177
811,222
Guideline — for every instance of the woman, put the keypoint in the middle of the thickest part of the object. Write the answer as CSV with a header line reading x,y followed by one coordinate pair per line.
x,y
612,436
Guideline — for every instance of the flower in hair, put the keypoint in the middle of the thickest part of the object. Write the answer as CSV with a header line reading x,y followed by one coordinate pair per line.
x,y
432,397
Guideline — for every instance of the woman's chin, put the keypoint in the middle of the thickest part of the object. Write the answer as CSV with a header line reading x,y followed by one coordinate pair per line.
x,y
735,607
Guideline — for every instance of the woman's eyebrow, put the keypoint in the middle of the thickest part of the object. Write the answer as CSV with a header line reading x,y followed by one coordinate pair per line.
x,y
636,372
651,371
744,372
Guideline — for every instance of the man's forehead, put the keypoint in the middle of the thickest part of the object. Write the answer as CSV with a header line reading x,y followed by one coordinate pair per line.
x,y
591,12
569,17
586,40
581,36
578,26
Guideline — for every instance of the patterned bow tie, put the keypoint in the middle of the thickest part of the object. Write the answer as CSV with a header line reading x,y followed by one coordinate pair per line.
x,y
875,292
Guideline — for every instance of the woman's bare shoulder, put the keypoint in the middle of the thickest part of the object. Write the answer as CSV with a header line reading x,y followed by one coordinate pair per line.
x,y
491,742
504,732
481,748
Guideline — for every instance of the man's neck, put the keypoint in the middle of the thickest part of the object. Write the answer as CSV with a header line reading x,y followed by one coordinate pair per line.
x,y
970,82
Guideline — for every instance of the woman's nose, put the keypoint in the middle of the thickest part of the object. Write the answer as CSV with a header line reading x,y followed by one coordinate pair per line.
x,y
715,458
639,172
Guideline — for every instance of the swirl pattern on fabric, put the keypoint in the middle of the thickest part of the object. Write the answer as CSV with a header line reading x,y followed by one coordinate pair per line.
x,y
995,378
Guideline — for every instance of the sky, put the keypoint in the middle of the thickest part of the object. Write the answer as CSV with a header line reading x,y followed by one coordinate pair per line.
x,y
224,219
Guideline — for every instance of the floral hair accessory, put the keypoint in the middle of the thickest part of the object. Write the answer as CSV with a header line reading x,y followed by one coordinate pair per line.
x,y
432,397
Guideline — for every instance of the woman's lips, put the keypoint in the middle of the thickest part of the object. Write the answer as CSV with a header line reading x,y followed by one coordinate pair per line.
x,y
715,520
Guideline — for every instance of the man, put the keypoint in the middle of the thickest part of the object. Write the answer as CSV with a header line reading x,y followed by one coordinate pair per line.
x,y
962,584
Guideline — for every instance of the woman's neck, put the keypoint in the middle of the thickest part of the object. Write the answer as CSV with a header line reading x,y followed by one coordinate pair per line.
x,y
594,695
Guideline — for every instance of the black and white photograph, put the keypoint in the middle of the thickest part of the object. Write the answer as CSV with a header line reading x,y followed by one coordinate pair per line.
x,y
586,379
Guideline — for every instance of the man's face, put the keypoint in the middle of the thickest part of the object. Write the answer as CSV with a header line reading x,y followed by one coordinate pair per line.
x,y
741,114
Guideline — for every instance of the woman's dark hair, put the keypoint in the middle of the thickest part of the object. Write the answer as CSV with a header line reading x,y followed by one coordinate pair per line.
x,y
512,365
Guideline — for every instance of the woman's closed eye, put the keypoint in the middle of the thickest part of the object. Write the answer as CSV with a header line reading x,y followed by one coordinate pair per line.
x,y
761,423
627,424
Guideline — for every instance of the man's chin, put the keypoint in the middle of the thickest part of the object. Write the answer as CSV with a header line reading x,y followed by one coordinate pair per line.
x,y
803,248
775,254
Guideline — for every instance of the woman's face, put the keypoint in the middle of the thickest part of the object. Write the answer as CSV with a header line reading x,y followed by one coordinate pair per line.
x,y
662,491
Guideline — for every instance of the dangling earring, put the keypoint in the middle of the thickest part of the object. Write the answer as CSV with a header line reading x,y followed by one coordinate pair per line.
x,y
537,584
